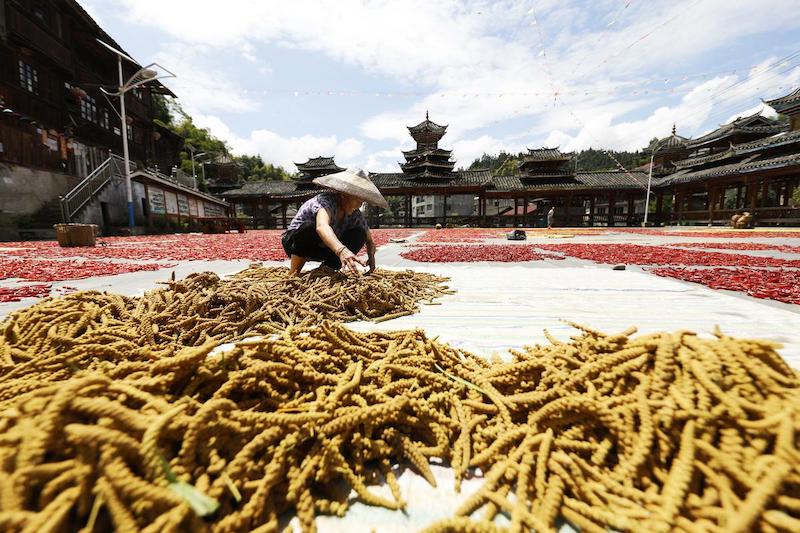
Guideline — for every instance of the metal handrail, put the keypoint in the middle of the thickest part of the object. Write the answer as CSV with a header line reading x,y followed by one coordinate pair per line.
x,y
84,191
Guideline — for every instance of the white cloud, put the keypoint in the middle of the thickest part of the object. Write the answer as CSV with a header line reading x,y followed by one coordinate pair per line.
x,y
466,151
602,58
200,87
91,9
284,151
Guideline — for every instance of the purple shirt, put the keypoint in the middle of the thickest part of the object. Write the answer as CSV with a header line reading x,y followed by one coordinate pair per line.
x,y
330,202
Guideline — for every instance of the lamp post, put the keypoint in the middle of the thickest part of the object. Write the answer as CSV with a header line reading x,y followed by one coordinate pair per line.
x,y
650,179
140,77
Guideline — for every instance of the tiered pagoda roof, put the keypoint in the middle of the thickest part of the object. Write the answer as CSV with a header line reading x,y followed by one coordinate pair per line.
x,y
741,129
427,160
543,163
316,167
673,143
786,105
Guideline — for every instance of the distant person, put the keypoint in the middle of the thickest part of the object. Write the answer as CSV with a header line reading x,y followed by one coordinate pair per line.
x,y
550,216
330,227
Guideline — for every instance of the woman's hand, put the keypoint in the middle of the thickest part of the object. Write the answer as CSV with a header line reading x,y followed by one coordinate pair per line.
x,y
371,256
349,260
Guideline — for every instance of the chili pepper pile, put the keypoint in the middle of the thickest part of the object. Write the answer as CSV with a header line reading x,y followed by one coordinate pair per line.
x,y
44,270
15,294
254,245
465,253
636,254
458,235
740,246
782,285
384,236
260,245
726,234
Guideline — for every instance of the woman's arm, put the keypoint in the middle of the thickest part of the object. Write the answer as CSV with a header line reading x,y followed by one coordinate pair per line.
x,y
370,251
325,232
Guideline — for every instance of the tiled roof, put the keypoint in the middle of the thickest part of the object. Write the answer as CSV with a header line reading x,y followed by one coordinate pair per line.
x,y
554,183
462,178
506,183
785,103
438,152
671,143
754,123
613,179
774,141
549,172
697,161
546,154
319,162
427,125
751,164
261,188
423,161
789,137
582,180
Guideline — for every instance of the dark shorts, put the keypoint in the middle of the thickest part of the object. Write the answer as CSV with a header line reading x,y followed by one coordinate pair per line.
x,y
306,242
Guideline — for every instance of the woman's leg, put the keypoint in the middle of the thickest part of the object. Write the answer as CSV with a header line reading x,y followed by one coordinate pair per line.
x,y
297,264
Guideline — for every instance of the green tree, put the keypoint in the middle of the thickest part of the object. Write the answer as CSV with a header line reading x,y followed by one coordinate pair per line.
x,y
198,138
255,169
162,109
170,114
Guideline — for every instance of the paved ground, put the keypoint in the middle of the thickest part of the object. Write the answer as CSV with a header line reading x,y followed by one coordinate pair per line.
x,y
504,305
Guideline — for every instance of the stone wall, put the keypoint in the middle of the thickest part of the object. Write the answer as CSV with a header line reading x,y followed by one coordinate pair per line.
x,y
24,190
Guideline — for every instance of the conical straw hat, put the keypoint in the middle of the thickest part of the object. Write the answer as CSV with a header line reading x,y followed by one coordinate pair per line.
x,y
355,182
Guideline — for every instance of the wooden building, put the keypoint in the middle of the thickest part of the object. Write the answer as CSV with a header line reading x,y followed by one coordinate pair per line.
x,y
61,137
750,164
315,167
427,177
222,173
53,113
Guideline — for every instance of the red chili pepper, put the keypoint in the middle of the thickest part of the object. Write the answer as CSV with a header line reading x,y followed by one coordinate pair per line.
x,y
740,246
48,270
459,235
15,294
460,253
744,234
636,254
782,285
262,245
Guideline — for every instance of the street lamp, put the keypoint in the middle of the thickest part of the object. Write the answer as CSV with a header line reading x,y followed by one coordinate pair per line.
x,y
650,178
140,77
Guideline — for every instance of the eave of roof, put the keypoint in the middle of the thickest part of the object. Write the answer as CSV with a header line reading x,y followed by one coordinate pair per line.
x,y
751,164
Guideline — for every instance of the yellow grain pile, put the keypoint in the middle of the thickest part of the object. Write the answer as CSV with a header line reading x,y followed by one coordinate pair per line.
x,y
88,327
659,432
663,432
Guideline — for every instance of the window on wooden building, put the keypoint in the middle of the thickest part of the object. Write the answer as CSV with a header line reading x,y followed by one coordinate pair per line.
x,y
40,11
104,119
28,77
89,109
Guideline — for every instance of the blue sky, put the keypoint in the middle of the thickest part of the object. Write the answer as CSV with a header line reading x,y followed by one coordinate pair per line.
x,y
292,80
